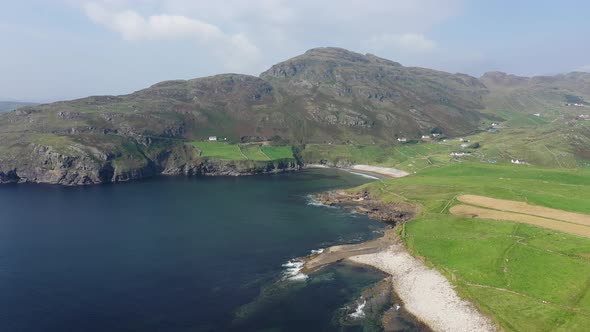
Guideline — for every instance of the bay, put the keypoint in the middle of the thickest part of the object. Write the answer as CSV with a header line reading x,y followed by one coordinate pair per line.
x,y
177,254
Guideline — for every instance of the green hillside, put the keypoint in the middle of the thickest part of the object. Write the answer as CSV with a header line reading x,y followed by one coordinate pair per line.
x,y
335,106
526,278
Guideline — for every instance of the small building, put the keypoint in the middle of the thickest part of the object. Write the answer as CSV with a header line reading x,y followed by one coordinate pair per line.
x,y
464,146
537,114
212,138
518,162
463,140
435,135
402,139
425,137
460,154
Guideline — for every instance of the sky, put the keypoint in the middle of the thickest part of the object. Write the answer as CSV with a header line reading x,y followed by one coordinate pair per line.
x,y
64,49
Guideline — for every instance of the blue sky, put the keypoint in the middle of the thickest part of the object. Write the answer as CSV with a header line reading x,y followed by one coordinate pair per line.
x,y
64,49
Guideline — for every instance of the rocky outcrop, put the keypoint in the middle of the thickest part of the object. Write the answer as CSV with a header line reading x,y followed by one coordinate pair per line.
x,y
362,202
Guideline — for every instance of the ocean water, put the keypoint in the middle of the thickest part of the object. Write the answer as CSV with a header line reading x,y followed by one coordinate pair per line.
x,y
179,254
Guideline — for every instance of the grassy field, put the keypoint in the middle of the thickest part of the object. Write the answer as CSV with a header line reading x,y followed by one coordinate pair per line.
x,y
253,152
527,278
219,150
409,157
549,141
225,151
277,152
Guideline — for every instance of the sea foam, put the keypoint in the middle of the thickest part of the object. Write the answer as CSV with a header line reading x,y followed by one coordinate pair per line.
x,y
293,270
364,175
317,251
314,202
359,311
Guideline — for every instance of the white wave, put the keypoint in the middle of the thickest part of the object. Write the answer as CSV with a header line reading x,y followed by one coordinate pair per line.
x,y
365,175
314,202
317,251
293,270
359,312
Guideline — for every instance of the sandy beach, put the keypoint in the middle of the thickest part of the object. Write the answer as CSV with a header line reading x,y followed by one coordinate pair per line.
x,y
385,171
426,293
382,171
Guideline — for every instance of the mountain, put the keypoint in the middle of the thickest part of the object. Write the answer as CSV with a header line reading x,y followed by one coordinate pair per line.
x,y
337,92
538,93
327,95
6,106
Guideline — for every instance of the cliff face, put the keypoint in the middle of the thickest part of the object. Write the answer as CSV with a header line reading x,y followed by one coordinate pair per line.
x,y
45,165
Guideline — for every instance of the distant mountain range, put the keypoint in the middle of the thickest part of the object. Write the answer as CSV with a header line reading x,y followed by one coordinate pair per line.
x,y
327,95
6,106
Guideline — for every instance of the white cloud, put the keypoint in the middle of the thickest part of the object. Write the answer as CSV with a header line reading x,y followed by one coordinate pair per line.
x,y
407,42
249,36
238,51
585,68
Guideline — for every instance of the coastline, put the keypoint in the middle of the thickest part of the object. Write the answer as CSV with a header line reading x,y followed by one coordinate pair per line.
x,y
381,172
425,292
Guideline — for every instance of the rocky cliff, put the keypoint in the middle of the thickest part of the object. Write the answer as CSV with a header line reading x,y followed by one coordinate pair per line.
x,y
44,164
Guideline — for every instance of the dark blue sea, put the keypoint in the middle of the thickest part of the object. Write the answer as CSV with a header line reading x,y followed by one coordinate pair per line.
x,y
178,254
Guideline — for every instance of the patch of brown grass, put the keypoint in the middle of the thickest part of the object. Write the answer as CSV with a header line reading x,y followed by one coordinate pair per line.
x,y
524,208
483,213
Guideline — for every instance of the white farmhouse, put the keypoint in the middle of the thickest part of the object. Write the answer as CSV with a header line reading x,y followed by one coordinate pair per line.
x,y
212,138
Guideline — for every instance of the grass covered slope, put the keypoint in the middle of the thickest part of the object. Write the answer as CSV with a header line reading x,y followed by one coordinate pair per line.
x,y
527,278
225,151
325,96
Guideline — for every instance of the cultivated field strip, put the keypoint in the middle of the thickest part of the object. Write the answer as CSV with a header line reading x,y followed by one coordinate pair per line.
x,y
484,213
524,208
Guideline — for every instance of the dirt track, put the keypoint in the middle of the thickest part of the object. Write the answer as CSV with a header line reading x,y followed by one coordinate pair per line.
x,y
524,208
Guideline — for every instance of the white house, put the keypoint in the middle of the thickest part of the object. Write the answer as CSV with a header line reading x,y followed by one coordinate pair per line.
x,y
460,154
464,146
425,137
435,135
463,140
402,139
537,114
212,138
518,162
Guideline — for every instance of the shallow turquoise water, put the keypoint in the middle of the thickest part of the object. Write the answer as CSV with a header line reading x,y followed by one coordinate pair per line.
x,y
176,254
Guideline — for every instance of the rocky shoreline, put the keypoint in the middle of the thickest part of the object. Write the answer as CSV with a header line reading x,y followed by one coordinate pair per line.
x,y
63,171
362,202
425,293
